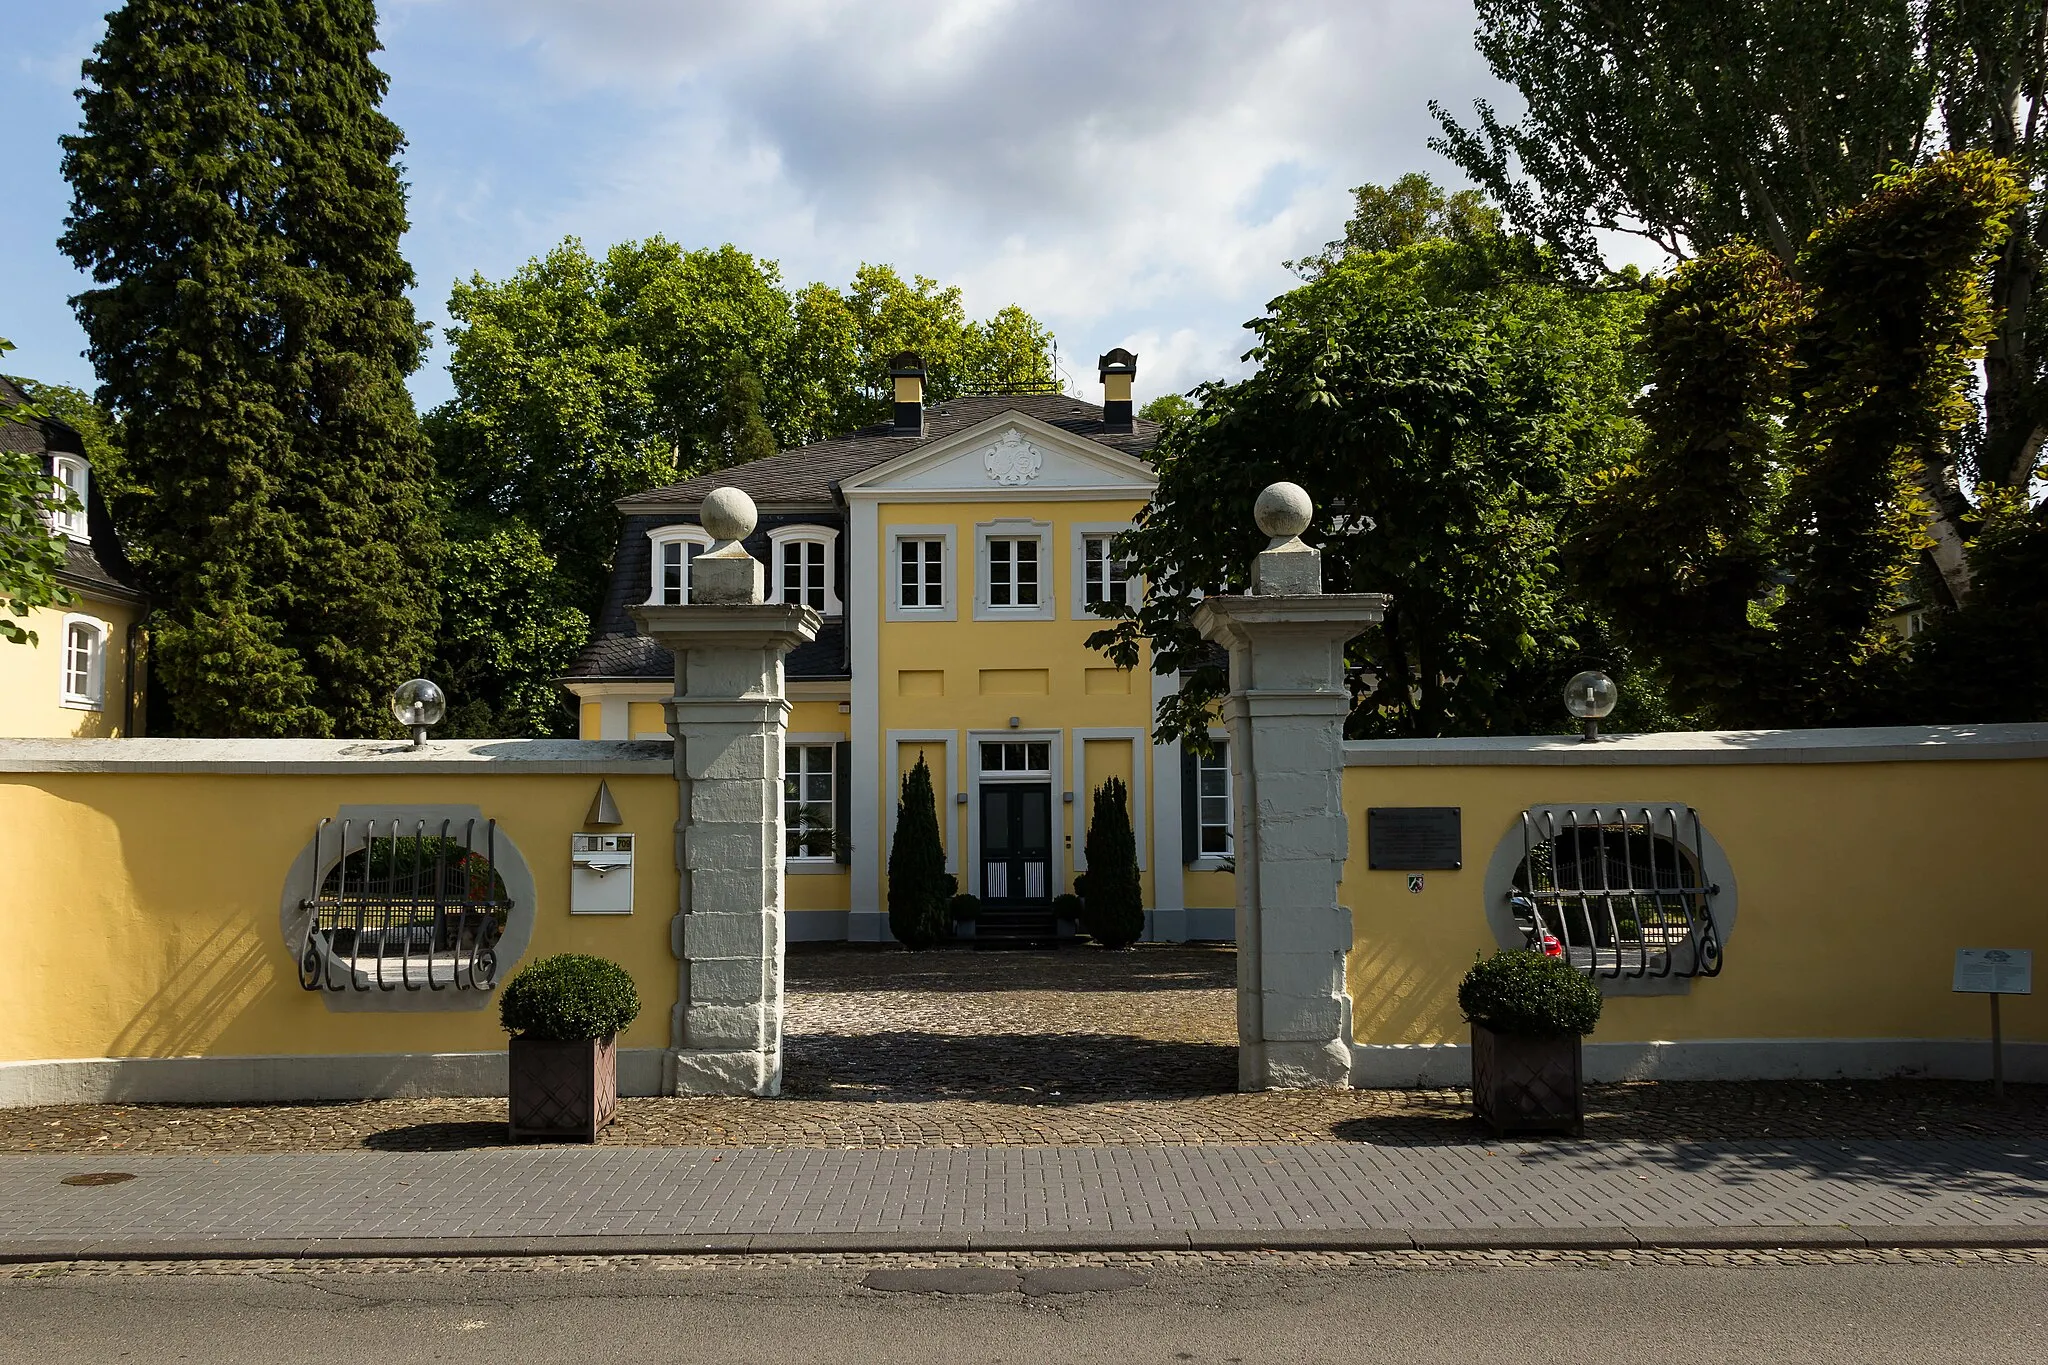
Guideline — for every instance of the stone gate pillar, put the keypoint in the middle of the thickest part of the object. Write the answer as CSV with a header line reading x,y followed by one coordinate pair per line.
x,y
729,716
1285,713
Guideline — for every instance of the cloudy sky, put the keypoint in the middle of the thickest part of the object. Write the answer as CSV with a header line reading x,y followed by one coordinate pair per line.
x,y
1132,173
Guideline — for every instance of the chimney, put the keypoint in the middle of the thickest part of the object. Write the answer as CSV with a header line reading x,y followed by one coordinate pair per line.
x,y
1116,370
906,372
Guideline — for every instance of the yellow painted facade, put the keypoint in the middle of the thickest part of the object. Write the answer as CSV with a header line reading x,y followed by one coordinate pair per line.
x,y
972,678
900,677
33,701
1856,884
142,910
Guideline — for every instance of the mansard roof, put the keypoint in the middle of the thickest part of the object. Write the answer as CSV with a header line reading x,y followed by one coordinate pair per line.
x,y
99,567
809,476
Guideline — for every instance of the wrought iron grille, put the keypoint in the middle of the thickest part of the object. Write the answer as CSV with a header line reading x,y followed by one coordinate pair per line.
x,y
404,909
1618,891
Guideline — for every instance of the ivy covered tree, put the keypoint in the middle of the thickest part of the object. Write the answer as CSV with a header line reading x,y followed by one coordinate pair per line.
x,y
1113,908
919,887
1697,123
1770,526
236,200
1442,400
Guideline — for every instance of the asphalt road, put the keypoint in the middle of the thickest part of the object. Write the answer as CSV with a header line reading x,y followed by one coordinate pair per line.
x,y
1787,1313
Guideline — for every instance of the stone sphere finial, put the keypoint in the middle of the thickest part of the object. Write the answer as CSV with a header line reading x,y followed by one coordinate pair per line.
x,y
729,514
1283,510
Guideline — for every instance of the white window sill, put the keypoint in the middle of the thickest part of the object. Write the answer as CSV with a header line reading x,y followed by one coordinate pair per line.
x,y
812,867
1210,862
80,704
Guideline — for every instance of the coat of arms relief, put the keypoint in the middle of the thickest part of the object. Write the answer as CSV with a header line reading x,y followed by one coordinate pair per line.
x,y
1012,460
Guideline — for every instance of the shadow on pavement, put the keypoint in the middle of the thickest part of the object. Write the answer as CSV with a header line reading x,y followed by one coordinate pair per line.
x,y
1003,1068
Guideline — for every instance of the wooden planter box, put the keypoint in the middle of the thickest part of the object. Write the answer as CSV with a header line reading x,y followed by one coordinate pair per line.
x,y
1528,1084
565,1092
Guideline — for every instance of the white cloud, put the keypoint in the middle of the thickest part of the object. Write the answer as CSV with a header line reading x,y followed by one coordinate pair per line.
x,y
1138,170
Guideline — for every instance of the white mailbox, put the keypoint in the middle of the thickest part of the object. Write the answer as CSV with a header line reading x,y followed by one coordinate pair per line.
x,y
601,874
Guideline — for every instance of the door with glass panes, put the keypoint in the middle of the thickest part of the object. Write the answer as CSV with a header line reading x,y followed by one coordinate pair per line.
x,y
1016,844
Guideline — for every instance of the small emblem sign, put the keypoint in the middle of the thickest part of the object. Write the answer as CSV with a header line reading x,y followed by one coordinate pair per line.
x,y
1414,838
1994,971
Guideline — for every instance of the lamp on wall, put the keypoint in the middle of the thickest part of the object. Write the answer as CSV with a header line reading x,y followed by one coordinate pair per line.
x,y
417,704
1590,696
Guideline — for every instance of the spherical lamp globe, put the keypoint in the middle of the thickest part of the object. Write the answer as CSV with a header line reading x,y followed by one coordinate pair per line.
x,y
417,704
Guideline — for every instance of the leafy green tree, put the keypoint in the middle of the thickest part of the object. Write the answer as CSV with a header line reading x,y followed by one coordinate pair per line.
x,y
579,380
1680,544
30,556
1412,209
747,436
1770,525
236,200
1168,408
508,630
554,414
1113,910
919,887
1701,122
1441,403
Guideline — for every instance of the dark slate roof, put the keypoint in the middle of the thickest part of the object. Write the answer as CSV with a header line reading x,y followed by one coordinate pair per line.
x,y
809,476
622,654
100,567
804,480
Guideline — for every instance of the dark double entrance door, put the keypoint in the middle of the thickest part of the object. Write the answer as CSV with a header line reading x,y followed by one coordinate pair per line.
x,y
1016,861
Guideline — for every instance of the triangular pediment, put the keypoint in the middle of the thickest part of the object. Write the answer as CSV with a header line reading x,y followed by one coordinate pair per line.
x,y
1009,453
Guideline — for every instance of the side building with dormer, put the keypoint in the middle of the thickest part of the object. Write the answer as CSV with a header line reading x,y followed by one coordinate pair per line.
x,y
954,552
83,677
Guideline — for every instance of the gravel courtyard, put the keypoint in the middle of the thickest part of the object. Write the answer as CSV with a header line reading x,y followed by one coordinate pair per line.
x,y
1060,1047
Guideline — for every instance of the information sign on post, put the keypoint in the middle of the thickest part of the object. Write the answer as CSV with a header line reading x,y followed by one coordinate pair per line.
x,y
1994,972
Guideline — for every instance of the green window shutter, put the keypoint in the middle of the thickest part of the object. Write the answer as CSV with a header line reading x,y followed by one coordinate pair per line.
x,y
1190,824
842,800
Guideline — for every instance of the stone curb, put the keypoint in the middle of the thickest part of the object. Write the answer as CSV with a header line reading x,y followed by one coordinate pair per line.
x,y
1809,1238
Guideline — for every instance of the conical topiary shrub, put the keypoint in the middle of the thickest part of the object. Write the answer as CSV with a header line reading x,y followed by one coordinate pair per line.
x,y
918,885
1113,907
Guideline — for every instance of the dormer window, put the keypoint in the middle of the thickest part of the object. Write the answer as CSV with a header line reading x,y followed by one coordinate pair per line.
x,y
70,474
804,564
672,549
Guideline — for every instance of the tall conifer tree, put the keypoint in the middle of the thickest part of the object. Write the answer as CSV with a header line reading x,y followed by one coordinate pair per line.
x,y
236,199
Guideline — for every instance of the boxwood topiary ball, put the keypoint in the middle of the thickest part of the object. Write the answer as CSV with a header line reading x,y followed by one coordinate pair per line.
x,y
1525,992
569,997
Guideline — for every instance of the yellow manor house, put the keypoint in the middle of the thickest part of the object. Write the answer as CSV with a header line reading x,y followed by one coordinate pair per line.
x,y
954,553
83,677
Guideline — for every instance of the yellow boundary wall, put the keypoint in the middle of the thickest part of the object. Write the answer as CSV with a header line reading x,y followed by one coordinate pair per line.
x,y
1862,859
143,881
144,956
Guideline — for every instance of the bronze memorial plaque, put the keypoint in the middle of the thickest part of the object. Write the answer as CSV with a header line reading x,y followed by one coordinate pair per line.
x,y
1414,838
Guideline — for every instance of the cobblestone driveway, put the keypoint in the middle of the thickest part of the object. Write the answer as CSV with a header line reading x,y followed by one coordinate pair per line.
x,y
1074,1047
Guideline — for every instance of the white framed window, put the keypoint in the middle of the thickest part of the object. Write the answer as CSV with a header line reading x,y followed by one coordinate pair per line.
x,y
1212,802
921,575
1014,568
70,474
84,663
807,803
1098,574
670,553
804,559
1016,757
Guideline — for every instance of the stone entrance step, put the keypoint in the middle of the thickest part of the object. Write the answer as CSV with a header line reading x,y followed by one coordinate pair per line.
x,y
1015,924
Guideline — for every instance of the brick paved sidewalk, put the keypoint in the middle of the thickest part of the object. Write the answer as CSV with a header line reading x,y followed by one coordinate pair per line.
x,y
766,1199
